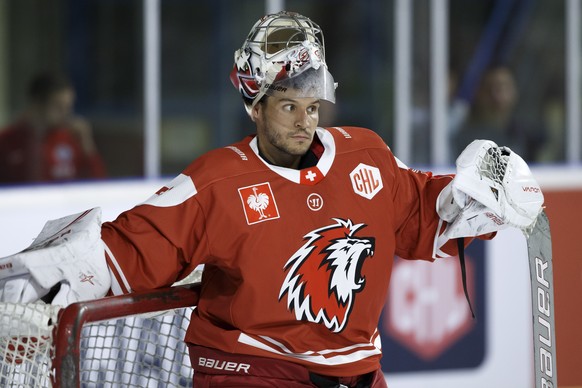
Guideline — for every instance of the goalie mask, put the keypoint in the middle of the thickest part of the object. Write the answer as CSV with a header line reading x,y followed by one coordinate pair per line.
x,y
283,55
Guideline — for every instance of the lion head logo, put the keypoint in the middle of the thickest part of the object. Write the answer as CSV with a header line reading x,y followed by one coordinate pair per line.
x,y
324,275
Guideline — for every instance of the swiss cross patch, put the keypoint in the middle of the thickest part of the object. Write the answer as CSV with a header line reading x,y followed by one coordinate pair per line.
x,y
258,203
366,180
310,176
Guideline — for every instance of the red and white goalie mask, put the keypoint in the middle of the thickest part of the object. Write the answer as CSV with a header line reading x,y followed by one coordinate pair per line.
x,y
283,56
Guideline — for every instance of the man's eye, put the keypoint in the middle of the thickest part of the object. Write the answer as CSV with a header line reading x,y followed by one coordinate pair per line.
x,y
288,108
312,109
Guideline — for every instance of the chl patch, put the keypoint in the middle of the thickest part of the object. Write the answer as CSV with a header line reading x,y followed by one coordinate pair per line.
x,y
258,203
366,180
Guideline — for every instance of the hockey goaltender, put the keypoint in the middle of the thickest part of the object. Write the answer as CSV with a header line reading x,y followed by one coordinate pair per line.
x,y
297,226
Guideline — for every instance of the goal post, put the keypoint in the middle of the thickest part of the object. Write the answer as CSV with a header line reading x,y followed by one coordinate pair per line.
x,y
128,340
69,330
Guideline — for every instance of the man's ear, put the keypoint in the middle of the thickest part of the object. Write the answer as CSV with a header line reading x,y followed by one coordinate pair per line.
x,y
255,112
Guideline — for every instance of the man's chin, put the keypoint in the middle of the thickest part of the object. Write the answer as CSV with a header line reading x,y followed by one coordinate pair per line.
x,y
299,147
298,151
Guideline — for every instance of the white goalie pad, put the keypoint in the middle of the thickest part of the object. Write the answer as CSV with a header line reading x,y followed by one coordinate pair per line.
x,y
68,251
493,189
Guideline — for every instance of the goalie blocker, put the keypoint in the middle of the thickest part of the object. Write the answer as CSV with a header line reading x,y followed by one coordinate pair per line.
x,y
67,252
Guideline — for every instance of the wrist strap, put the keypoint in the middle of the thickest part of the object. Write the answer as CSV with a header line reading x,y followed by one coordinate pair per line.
x,y
461,249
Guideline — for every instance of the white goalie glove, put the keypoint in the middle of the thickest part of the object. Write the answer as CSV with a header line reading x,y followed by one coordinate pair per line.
x,y
493,189
69,252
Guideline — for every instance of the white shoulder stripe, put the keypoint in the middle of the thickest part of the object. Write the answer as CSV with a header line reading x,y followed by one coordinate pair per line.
x,y
178,191
115,286
400,163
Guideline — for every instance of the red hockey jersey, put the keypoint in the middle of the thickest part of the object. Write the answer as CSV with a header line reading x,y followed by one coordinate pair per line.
x,y
297,262
54,156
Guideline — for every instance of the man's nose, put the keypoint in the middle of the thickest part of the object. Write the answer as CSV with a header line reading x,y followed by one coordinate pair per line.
x,y
302,119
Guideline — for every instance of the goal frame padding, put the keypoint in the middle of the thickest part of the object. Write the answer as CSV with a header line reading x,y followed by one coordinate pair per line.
x,y
67,334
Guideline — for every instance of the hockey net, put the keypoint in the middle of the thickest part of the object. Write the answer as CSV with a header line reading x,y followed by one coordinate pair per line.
x,y
122,341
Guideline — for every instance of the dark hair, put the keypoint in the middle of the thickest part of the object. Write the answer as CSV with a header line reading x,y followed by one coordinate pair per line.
x,y
43,85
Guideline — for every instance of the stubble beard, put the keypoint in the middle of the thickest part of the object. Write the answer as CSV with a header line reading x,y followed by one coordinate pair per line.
x,y
285,144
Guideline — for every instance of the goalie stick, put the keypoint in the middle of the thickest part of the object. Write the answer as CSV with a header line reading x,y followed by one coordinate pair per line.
x,y
539,246
515,198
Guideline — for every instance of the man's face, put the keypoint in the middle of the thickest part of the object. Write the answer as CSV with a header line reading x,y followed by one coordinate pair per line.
x,y
58,107
499,91
285,127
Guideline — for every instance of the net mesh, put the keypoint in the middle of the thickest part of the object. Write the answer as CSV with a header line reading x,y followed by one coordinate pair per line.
x,y
26,344
493,164
137,351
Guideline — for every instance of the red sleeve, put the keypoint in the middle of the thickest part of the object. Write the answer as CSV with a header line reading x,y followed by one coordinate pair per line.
x,y
159,242
418,224
415,194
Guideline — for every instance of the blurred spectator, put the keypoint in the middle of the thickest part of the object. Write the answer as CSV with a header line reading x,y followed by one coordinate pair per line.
x,y
48,142
554,121
493,117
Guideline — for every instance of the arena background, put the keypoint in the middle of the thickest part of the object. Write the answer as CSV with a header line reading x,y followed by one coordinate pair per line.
x,y
152,78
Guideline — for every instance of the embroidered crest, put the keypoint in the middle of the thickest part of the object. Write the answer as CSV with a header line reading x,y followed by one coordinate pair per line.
x,y
325,274
258,203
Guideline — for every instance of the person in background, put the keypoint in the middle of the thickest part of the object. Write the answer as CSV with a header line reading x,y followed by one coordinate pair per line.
x,y
493,116
48,142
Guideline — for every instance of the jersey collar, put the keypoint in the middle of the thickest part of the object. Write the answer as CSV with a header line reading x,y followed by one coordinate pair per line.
x,y
307,176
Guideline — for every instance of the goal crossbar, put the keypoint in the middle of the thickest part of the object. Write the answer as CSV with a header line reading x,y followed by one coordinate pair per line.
x,y
67,334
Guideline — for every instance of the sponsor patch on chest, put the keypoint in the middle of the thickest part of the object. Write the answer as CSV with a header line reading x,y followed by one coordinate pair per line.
x,y
366,180
258,203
